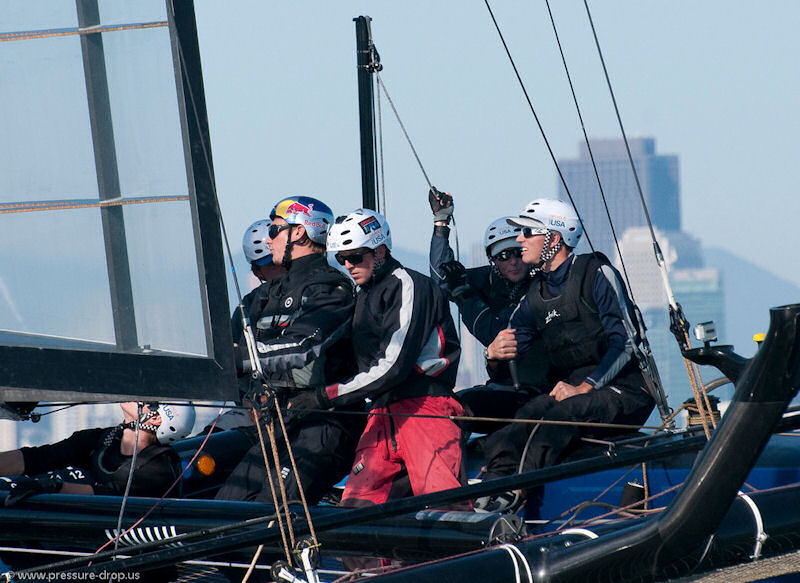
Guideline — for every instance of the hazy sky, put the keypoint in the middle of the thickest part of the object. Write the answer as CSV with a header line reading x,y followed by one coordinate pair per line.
x,y
715,82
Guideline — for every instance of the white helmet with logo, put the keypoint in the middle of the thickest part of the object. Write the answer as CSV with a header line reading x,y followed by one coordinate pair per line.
x,y
254,242
177,422
360,228
555,215
500,236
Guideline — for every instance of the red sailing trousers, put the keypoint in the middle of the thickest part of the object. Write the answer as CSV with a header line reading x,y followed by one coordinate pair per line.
x,y
429,449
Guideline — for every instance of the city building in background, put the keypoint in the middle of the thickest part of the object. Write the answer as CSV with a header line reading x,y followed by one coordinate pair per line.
x,y
658,176
699,289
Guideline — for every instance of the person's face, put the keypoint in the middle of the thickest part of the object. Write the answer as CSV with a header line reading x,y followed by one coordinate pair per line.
x,y
277,243
531,246
510,265
360,263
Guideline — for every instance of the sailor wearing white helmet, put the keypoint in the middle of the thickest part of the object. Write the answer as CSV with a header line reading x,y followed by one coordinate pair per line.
x,y
407,352
98,461
486,296
301,323
581,310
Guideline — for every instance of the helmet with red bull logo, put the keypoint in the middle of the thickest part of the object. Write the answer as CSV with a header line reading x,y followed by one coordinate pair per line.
x,y
360,228
311,213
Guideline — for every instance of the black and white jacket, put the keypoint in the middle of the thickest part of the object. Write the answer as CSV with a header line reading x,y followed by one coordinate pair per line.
x,y
404,340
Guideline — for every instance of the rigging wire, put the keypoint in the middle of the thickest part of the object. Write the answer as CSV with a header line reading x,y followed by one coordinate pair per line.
x,y
538,123
644,355
457,250
140,420
676,313
382,193
589,148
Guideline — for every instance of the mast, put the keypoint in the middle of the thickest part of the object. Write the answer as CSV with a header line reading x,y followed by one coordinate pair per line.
x,y
368,62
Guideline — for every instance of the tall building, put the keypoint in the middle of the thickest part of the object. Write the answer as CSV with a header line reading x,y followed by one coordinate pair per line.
x,y
696,288
658,176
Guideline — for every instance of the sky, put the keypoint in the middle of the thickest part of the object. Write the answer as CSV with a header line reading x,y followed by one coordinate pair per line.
x,y
714,82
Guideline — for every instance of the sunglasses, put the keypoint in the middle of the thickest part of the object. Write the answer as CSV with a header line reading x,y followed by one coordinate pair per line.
x,y
507,254
274,230
353,258
529,232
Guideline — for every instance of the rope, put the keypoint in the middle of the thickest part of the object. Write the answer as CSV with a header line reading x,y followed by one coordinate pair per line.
x,y
56,32
381,85
272,491
538,123
30,207
299,483
493,419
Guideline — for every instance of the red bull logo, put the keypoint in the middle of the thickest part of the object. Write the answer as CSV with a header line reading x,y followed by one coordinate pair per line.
x,y
297,208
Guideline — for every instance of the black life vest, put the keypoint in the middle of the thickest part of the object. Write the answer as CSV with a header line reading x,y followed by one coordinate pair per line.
x,y
115,476
569,324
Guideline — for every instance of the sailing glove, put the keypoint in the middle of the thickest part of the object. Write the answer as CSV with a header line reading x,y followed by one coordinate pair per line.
x,y
455,276
441,205
22,487
309,399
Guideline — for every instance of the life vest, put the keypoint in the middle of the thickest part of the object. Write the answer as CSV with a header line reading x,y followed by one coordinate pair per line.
x,y
569,324
115,478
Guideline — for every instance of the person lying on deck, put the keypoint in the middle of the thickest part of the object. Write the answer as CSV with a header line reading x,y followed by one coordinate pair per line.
x,y
98,461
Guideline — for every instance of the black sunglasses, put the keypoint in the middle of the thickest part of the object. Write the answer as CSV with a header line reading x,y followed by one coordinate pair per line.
x,y
529,232
274,230
353,258
507,254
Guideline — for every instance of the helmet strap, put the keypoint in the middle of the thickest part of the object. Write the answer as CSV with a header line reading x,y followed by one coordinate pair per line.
x,y
287,251
548,254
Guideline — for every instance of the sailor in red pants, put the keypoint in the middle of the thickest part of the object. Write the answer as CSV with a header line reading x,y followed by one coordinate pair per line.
x,y
407,355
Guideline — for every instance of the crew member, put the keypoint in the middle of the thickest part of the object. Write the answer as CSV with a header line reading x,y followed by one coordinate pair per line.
x,y
98,461
407,354
581,310
301,324
486,296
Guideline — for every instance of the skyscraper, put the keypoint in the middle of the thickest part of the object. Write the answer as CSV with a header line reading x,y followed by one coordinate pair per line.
x,y
698,289
658,176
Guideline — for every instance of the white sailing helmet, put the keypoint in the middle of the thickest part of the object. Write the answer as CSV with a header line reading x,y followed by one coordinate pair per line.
x,y
499,236
360,228
555,215
177,422
254,242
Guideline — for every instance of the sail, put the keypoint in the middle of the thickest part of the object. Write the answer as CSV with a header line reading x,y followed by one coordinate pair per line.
x,y
112,279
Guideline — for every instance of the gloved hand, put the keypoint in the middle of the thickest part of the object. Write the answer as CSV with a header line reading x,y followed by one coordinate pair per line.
x,y
455,276
441,205
21,487
308,399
